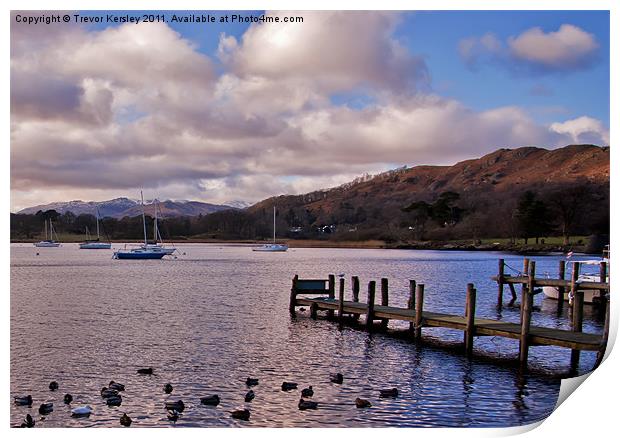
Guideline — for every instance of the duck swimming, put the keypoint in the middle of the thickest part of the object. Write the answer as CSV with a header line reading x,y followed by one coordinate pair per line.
x,y
173,415
116,386
306,404
178,406
287,386
361,403
107,392
81,411
241,414
384,393
46,408
145,371
28,422
53,386
115,400
249,396
68,399
307,392
212,400
126,420
251,382
167,388
23,400
336,378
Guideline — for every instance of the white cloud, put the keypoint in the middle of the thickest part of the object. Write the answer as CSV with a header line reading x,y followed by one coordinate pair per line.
x,y
583,130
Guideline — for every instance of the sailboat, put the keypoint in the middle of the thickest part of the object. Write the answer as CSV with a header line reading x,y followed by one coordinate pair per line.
x,y
158,244
272,247
48,243
143,252
95,244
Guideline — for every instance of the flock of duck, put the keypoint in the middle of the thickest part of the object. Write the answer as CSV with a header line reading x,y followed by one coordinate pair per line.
x,y
111,395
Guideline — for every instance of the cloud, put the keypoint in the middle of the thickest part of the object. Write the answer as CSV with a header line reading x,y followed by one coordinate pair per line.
x,y
583,130
97,114
568,49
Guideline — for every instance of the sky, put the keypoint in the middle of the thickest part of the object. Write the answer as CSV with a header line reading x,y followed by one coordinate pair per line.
x,y
218,112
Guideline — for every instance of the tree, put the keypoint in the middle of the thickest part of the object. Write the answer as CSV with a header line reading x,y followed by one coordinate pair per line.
x,y
421,212
532,217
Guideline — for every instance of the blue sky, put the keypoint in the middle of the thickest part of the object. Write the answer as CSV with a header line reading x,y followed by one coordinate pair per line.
x,y
221,111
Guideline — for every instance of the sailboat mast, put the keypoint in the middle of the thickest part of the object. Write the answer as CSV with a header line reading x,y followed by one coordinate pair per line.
x,y
97,211
45,223
155,232
274,224
143,216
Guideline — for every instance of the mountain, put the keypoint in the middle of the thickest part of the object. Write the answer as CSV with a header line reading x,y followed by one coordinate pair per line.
x,y
121,207
238,204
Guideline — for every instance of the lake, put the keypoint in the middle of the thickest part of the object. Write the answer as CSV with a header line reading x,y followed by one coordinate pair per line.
x,y
218,314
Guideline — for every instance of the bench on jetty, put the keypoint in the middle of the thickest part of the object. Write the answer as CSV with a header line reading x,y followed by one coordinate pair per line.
x,y
319,295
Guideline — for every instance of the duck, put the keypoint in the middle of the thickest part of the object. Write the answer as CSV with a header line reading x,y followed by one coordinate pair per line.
x,y
145,371
307,392
81,411
212,400
68,399
178,406
107,392
53,385
46,408
361,403
167,388
251,381
116,386
249,396
241,414
23,400
336,378
28,422
383,393
287,386
306,404
173,415
126,420
115,400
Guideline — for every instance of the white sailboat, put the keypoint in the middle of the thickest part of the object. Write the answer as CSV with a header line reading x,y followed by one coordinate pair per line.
x,y
158,245
143,252
95,243
48,243
272,247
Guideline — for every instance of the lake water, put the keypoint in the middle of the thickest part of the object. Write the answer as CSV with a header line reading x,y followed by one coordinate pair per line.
x,y
218,314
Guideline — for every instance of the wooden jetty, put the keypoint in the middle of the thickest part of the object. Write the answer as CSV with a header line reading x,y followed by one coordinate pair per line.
x,y
320,295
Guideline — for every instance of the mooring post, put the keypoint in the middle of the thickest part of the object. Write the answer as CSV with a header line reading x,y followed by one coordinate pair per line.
x,y
526,314
602,279
419,305
470,312
526,264
384,299
331,292
574,284
411,302
355,281
577,316
500,284
341,300
601,351
313,310
370,312
561,289
293,298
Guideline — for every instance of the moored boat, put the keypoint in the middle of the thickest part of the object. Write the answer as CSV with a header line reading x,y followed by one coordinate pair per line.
x,y
48,243
272,247
95,243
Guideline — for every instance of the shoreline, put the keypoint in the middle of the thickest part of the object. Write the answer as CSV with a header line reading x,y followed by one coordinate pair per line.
x,y
378,244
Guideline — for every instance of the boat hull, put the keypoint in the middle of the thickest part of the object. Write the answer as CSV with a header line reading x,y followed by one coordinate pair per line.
x,y
271,248
45,244
95,245
590,296
138,255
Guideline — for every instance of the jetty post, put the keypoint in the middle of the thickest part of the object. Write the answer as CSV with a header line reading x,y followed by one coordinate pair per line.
x,y
577,313
331,292
561,289
526,264
341,300
291,305
355,281
384,300
527,301
411,302
500,284
470,312
602,279
370,312
419,305
603,346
